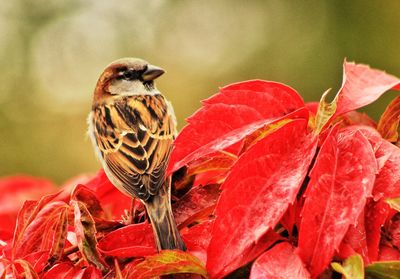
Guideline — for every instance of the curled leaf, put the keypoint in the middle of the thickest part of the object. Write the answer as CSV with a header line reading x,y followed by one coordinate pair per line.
x,y
86,235
324,113
164,263
389,122
83,194
361,86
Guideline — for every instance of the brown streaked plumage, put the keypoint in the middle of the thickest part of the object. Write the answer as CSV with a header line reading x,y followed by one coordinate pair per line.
x,y
132,127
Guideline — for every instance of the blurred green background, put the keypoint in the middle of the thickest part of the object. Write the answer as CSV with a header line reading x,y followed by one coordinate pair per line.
x,y
52,52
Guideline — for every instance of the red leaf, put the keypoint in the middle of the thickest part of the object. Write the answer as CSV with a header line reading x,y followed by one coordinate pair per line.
x,y
362,86
387,184
89,199
217,161
14,190
210,177
355,118
194,202
86,235
364,237
58,235
197,239
356,238
257,192
38,260
341,180
112,200
18,269
164,263
69,185
345,250
256,249
210,169
135,240
27,215
230,115
376,214
67,270
279,98
279,262
387,253
26,270
41,233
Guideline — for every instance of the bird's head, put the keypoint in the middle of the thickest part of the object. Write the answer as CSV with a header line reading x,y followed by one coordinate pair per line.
x,y
127,76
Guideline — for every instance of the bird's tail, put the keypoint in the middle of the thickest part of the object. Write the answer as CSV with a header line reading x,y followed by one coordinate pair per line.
x,y
165,230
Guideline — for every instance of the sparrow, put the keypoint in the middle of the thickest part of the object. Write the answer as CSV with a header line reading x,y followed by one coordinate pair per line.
x,y
132,127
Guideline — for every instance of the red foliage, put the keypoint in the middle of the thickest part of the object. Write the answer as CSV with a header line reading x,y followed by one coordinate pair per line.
x,y
342,177
135,240
260,178
271,170
229,116
279,262
362,86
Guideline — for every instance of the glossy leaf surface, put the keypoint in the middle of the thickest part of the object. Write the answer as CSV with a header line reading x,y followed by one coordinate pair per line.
x,y
230,115
341,180
164,263
279,262
362,85
135,240
261,185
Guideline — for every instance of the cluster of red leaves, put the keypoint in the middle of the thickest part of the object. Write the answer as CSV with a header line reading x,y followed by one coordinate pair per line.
x,y
264,186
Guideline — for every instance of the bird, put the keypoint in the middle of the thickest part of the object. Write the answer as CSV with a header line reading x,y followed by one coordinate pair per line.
x,y
132,127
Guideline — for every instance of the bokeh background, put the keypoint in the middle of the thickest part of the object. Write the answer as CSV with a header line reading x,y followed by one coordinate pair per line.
x,y
52,52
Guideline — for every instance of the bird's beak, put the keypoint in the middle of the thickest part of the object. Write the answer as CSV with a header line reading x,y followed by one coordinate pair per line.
x,y
152,73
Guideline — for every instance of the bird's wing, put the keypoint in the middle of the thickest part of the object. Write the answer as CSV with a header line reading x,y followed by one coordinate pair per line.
x,y
135,135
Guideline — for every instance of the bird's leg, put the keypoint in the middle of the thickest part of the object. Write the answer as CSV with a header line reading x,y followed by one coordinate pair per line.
x,y
132,212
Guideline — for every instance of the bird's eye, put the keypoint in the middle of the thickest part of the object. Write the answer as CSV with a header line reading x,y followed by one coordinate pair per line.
x,y
129,75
